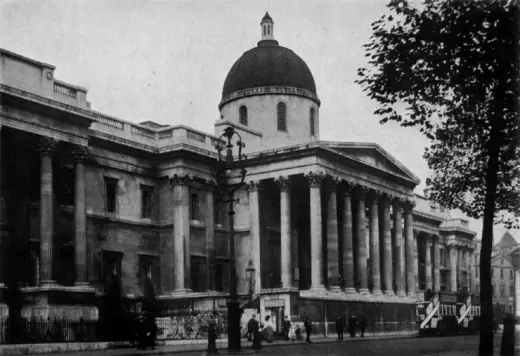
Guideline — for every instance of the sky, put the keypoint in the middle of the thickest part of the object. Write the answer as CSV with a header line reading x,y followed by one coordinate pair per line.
x,y
166,61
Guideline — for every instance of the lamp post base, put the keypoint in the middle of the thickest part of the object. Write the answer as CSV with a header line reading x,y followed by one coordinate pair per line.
x,y
234,316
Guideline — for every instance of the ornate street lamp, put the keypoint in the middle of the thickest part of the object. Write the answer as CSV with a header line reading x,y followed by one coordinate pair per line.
x,y
230,176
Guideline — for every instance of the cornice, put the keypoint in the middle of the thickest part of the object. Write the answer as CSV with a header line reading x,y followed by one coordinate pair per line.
x,y
428,216
268,90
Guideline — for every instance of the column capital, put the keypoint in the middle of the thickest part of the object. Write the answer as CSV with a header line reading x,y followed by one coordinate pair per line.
x,y
408,205
375,195
315,178
348,187
283,182
361,191
80,154
180,179
253,185
333,183
47,145
397,202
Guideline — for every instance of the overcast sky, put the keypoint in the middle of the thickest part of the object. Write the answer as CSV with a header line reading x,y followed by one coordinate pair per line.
x,y
166,61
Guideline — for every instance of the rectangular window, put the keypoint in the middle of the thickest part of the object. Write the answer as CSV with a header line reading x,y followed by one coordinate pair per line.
x,y
478,288
198,274
218,277
194,207
110,194
511,274
222,276
511,290
501,273
146,201
476,272
502,290
111,271
148,275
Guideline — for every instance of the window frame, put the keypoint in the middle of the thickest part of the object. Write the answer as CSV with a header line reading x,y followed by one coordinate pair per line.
x,y
312,121
279,127
195,209
243,112
109,181
147,212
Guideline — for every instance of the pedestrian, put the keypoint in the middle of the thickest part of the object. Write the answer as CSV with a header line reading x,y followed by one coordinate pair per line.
x,y
352,323
339,328
252,324
495,325
362,325
308,329
286,328
268,329
212,335
257,337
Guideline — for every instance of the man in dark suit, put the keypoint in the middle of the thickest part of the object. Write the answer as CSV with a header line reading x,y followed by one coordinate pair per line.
x,y
339,328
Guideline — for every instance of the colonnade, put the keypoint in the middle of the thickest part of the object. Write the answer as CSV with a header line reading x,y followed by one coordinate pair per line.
x,y
398,275
47,147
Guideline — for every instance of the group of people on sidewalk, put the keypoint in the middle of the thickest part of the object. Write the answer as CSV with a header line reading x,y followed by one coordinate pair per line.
x,y
265,331
353,324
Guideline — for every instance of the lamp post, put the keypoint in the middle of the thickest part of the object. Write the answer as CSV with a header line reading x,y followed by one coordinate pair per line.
x,y
230,176
250,274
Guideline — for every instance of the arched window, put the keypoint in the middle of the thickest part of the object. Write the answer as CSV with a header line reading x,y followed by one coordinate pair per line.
x,y
243,115
311,122
281,111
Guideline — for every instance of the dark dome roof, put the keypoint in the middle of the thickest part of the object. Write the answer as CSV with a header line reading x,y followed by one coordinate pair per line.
x,y
269,65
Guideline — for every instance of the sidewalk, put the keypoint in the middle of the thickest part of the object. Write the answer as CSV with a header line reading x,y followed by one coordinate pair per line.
x,y
171,346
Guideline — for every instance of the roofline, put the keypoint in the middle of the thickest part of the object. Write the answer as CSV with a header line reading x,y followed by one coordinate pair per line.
x,y
372,145
26,59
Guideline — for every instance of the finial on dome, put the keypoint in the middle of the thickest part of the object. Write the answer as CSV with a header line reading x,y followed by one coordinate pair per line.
x,y
267,27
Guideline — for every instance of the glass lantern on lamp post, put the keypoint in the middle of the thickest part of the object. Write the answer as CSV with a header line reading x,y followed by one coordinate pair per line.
x,y
230,175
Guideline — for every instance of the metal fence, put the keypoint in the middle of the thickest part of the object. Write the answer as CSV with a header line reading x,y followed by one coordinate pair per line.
x,y
190,325
46,330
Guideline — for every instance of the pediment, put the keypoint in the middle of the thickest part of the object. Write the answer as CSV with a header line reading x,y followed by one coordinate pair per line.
x,y
371,154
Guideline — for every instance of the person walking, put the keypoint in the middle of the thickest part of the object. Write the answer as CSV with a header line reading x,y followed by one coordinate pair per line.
x,y
339,328
362,325
286,328
308,329
252,324
352,323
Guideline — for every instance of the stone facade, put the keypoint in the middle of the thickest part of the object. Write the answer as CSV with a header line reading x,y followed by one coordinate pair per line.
x,y
329,227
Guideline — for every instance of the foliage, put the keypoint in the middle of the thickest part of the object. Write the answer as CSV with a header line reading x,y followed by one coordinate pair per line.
x,y
451,68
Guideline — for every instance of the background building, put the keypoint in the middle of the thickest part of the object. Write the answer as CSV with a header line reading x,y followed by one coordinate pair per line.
x,y
331,228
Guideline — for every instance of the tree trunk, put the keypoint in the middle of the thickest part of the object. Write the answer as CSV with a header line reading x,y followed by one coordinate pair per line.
x,y
486,292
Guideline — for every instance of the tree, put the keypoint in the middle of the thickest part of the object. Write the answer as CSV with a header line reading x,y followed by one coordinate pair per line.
x,y
450,68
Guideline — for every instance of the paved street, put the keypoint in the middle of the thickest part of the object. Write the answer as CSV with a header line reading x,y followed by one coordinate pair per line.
x,y
454,346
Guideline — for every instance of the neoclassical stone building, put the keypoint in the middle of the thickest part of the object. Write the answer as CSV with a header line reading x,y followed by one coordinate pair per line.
x,y
331,228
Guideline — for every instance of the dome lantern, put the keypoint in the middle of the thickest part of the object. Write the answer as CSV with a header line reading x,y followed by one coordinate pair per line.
x,y
267,27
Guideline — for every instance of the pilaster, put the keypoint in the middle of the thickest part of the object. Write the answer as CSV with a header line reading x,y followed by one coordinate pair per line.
x,y
210,238
436,265
428,264
181,232
453,268
254,218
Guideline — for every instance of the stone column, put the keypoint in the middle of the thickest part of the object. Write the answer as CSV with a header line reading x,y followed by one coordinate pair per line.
x,y
285,231
80,216
361,260
428,264
388,255
399,248
315,179
210,240
408,233
332,236
181,233
453,268
374,243
436,265
47,147
2,217
347,248
254,218
416,261
472,271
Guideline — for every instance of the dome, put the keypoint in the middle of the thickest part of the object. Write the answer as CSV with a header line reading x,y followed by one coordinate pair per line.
x,y
269,65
